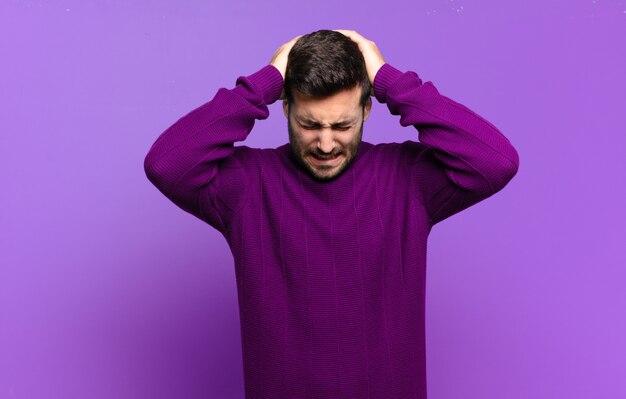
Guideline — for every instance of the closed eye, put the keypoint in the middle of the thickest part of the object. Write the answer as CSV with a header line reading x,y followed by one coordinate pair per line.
x,y
314,127
342,128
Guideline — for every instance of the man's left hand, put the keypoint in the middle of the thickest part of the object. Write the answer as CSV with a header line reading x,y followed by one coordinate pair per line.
x,y
373,58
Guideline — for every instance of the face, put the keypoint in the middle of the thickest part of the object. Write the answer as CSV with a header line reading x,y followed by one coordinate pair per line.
x,y
325,133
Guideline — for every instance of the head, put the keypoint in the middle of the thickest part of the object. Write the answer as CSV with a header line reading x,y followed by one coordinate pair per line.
x,y
327,100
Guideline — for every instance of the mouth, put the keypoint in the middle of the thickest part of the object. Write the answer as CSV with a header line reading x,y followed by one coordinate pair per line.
x,y
325,161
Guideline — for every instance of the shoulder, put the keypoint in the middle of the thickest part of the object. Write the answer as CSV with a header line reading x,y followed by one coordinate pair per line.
x,y
411,160
257,162
252,155
407,152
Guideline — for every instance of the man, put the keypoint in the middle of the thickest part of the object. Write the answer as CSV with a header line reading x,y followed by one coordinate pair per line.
x,y
329,232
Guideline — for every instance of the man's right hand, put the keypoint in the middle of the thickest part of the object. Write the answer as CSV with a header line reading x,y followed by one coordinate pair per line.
x,y
280,60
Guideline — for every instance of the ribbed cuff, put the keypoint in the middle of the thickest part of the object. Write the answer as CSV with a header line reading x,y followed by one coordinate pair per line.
x,y
269,81
384,78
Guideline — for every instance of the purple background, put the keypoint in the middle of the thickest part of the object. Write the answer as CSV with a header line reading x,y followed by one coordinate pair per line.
x,y
108,290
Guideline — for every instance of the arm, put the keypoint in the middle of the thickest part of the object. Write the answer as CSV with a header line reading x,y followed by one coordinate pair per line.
x,y
461,158
194,162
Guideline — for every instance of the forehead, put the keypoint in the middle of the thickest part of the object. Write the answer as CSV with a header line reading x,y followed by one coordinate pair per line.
x,y
342,106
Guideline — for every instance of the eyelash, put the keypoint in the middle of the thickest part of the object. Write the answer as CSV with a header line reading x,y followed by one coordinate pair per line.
x,y
315,127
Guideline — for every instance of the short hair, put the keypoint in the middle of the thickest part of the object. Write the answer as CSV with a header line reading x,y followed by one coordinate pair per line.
x,y
323,63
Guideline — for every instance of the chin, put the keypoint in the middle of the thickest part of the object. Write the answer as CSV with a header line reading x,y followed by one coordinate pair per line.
x,y
329,174
319,177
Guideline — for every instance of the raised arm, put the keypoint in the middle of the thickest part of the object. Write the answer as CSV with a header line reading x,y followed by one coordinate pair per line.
x,y
465,158
461,158
194,162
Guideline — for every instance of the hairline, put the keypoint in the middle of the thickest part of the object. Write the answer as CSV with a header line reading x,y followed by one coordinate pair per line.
x,y
291,96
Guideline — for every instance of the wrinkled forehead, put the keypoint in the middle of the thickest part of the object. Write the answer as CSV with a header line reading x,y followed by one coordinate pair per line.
x,y
340,107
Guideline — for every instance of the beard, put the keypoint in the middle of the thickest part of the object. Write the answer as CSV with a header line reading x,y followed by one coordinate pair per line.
x,y
324,172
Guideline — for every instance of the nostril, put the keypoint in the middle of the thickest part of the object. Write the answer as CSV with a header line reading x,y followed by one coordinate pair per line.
x,y
326,150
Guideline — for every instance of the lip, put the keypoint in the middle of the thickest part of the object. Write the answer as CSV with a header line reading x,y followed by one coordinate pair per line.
x,y
332,161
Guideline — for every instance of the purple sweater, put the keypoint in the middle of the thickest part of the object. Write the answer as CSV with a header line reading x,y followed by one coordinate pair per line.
x,y
331,275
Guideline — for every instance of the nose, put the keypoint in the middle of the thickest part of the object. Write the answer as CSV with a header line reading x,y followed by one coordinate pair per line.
x,y
325,141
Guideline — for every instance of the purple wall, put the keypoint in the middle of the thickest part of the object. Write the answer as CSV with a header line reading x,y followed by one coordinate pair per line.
x,y
108,290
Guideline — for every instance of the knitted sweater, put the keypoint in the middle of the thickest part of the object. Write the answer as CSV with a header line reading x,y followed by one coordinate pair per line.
x,y
331,275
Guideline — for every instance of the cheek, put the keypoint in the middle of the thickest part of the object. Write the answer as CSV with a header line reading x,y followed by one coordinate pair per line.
x,y
305,139
349,140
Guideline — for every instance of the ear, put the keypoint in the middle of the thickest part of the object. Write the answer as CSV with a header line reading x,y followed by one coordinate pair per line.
x,y
368,107
286,108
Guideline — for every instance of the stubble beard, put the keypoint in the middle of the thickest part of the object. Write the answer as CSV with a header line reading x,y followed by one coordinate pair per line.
x,y
315,172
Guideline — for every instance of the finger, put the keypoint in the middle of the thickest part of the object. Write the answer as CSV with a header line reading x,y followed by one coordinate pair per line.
x,y
345,33
352,34
291,43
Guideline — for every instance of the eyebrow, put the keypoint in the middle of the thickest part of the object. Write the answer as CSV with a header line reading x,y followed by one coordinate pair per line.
x,y
315,123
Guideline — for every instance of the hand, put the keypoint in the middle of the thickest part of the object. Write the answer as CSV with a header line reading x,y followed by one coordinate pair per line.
x,y
373,58
279,60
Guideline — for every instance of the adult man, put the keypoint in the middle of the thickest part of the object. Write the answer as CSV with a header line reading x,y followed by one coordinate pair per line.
x,y
329,232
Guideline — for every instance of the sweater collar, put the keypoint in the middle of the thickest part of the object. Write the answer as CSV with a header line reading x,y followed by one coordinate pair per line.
x,y
285,150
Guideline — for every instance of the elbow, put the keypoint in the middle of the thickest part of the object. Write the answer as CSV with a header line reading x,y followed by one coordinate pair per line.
x,y
147,167
147,164
151,169
509,173
513,163
507,169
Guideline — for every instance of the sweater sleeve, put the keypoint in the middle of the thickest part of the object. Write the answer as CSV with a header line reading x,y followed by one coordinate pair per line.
x,y
194,162
461,158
